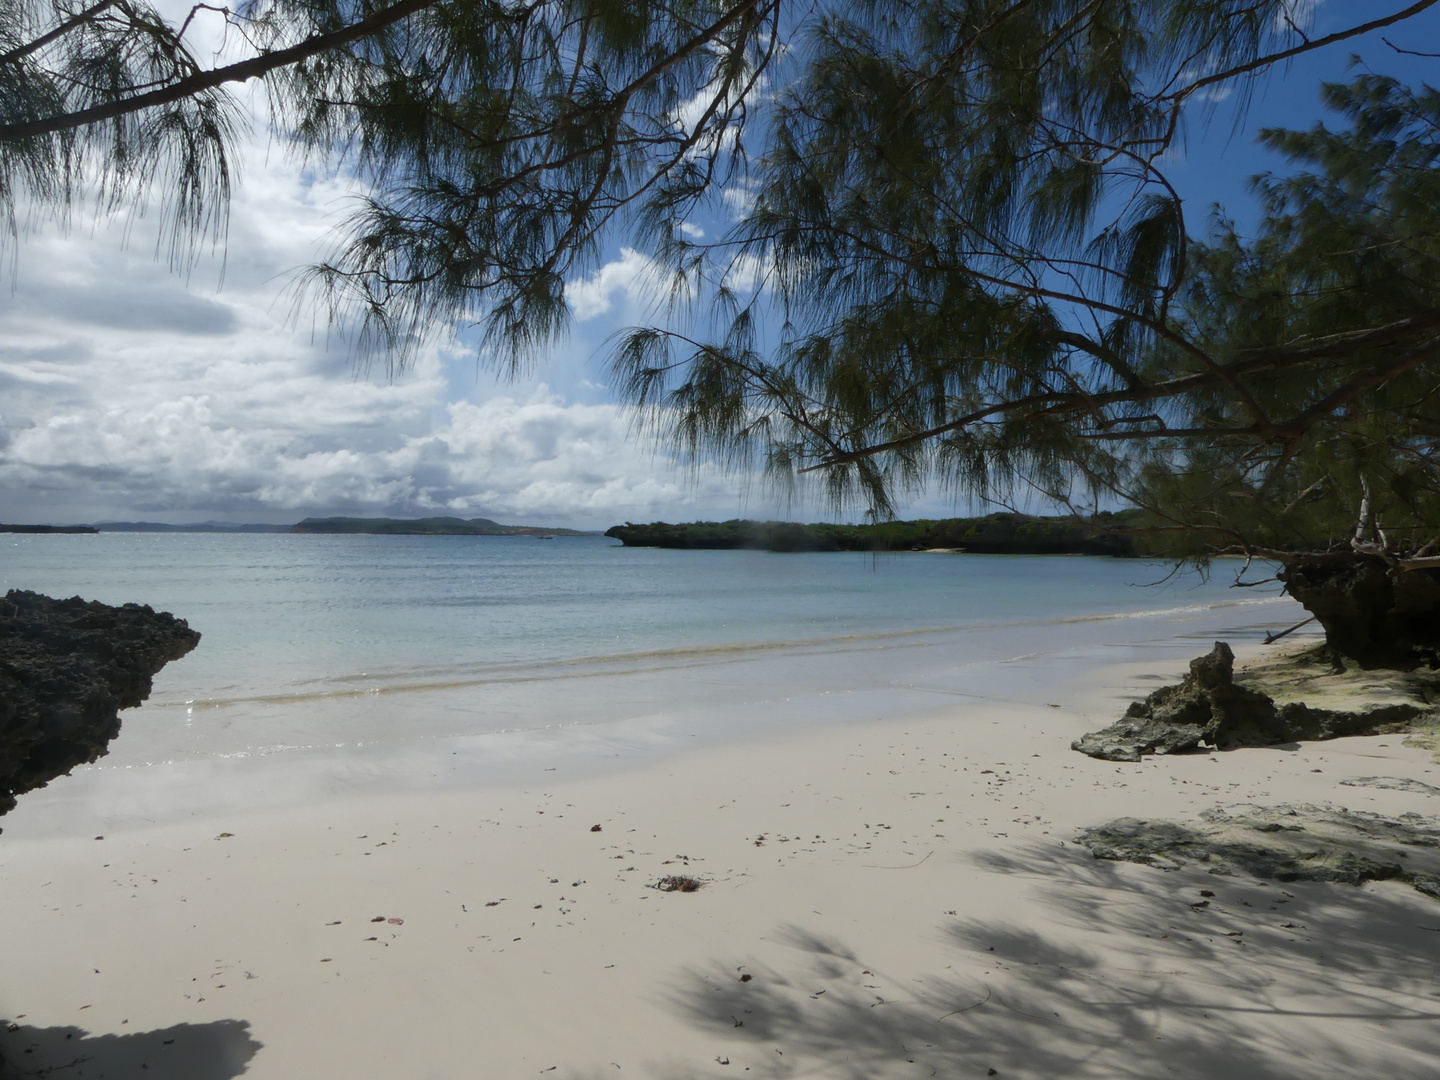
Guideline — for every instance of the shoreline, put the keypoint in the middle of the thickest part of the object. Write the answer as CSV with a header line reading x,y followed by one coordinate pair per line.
x,y
196,763
905,895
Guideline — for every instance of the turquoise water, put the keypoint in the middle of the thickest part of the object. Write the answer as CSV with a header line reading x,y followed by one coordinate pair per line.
x,y
302,615
497,650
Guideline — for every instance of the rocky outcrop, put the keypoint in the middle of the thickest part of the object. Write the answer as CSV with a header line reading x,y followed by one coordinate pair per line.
x,y
1283,843
1372,613
66,669
1208,708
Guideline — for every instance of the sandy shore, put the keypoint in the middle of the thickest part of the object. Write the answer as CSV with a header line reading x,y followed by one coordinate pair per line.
x,y
893,899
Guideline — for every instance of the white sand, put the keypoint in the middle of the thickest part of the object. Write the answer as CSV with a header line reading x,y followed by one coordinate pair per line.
x,y
906,896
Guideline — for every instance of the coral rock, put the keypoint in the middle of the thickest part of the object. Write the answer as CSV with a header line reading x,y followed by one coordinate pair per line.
x,y
1208,707
66,669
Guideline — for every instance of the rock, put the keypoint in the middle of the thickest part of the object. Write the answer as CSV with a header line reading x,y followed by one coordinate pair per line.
x,y
66,668
1392,783
1208,707
1372,613
1128,739
1283,843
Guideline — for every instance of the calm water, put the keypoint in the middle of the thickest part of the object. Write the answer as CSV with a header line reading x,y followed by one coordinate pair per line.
x,y
498,652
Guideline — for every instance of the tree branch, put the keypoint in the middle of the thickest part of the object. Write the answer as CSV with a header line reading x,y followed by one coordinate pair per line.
x,y
57,32
1309,46
239,72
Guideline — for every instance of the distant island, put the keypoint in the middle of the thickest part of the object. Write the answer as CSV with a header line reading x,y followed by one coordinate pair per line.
x,y
48,529
995,534
433,526
200,526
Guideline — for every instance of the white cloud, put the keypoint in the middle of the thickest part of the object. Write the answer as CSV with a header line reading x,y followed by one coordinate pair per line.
x,y
1215,94
746,272
632,276
739,199
695,232
542,458
127,391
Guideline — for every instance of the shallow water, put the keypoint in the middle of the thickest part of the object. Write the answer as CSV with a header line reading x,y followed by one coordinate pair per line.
x,y
347,663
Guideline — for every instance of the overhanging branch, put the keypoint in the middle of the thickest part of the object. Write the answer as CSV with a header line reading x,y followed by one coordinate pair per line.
x,y
242,71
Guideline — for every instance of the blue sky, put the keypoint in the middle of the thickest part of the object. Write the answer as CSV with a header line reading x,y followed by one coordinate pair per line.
x,y
128,392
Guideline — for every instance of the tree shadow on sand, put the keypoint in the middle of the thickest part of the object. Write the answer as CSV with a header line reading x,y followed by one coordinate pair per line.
x,y
216,1051
1131,974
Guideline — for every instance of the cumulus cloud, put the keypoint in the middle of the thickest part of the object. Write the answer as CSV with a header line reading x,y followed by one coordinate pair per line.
x,y
631,277
544,457
538,459
128,391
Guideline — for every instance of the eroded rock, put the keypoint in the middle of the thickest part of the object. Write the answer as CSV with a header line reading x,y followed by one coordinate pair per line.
x,y
66,669
1283,843
1371,612
1392,783
1209,708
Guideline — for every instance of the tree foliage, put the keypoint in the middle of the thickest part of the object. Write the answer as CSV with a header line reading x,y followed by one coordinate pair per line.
x,y
495,140
986,275
1332,439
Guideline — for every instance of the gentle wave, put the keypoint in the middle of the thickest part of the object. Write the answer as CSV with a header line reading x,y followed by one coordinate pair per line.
x,y
549,673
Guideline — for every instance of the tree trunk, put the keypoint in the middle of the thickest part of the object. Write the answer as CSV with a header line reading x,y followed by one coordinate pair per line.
x,y
1372,614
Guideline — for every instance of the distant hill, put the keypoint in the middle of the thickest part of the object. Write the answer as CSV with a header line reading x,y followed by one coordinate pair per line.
x,y
433,526
996,534
46,529
202,526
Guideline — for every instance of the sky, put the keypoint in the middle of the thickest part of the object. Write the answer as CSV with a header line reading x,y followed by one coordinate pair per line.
x,y
131,392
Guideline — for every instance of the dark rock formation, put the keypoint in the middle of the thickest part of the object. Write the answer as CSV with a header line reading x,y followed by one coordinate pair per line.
x,y
1283,843
1208,707
66,668
1373,614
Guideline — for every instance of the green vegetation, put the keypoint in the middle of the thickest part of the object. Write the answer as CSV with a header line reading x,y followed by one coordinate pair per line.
x,y
1012,534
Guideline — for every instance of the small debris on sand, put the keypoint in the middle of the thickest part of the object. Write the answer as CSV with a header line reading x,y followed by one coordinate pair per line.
x,y
678,883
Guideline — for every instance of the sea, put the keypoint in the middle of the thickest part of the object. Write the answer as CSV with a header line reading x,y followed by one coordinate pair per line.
x,y
343,666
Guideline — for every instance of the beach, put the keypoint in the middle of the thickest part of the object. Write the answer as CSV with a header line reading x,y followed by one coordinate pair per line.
x,y
890,897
